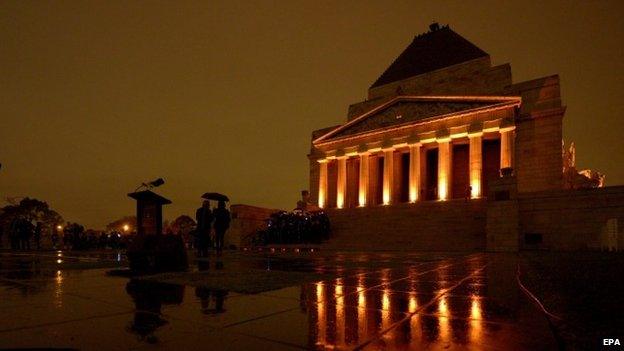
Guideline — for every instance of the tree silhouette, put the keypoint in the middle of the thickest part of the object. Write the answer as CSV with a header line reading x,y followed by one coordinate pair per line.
x,y
33,210
182,225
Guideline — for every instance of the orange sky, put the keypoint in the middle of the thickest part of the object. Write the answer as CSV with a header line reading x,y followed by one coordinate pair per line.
x,y
98,96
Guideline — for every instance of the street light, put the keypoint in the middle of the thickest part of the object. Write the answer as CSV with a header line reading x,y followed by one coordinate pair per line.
x,y
126,228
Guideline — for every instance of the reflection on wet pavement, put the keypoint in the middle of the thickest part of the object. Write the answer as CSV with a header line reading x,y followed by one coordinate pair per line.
x,y
377,301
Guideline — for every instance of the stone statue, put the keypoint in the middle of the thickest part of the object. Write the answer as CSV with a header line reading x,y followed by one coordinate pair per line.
x,y
574,179
305,204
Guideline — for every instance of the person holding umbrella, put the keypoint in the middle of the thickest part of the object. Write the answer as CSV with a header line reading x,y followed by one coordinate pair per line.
x,y
204,218
222,218
221,224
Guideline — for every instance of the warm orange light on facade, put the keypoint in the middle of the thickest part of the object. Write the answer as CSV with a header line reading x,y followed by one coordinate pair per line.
x,y
444,168
322,193
363,183
414,172
507,147
476,164
341,187
387,176
499,103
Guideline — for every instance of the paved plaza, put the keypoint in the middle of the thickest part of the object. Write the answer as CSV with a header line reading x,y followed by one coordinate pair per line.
x,y
370,301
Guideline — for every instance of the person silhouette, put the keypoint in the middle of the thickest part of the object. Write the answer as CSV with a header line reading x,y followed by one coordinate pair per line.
x,y
37,235
14,233
204,218
25,231
221,225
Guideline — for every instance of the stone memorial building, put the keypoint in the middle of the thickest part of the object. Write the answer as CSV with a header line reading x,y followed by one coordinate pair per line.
x,y
418,164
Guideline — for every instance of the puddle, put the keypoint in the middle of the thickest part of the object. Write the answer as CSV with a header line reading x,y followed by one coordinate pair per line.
x,y
396,302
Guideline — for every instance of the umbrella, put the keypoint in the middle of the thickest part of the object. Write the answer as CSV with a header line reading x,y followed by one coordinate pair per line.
x,y
215,196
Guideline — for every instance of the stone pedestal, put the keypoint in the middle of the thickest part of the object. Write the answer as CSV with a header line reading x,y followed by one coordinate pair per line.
x,y
502,224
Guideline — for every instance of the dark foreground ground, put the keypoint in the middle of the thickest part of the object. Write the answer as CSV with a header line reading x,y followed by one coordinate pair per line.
x,y
312,300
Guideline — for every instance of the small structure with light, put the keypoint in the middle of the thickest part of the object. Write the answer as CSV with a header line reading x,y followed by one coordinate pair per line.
x,y
149,250
149,209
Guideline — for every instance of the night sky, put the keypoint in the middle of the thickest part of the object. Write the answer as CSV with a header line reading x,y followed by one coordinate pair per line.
x,y
99,96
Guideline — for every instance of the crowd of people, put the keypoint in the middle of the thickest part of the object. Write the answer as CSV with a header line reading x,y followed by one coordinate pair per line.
x,y
21,232
24,234
306,224
76,238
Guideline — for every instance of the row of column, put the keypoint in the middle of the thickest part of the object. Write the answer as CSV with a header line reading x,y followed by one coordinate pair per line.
x,y
444,170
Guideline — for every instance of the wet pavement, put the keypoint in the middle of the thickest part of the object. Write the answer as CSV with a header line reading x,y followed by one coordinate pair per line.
x,y
373,301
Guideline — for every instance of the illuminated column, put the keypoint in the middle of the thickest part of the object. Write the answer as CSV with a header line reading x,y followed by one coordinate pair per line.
x,y
341,186
444,168
322,190
414,172
507,147
476,164
363,186
388,175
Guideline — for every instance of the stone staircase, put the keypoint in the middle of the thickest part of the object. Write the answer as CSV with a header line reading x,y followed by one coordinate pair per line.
x,y
455,225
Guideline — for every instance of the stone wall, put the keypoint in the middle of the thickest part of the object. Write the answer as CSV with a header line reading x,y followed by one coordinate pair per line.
x,y
455,225
502,228
568,219
476,77
560,220
246,221
314,180
538,161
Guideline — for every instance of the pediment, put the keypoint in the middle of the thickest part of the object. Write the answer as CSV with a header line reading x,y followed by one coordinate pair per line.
x,y
410,110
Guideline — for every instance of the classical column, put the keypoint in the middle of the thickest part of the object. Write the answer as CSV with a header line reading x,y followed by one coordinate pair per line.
x,y
507,147
363,185
414,172
341,186
444,168
322,189
476,164
388,175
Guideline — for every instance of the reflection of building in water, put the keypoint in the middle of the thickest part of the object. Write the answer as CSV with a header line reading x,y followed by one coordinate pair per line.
x,y
349,311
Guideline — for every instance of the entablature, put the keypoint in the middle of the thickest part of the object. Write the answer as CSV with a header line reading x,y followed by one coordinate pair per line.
x,y
498,115
407,115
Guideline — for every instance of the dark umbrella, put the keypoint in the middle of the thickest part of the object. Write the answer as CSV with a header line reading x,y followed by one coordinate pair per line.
x,y
215,196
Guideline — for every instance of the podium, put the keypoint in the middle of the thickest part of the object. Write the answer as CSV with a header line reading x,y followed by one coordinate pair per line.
x,y
149,212
149,250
